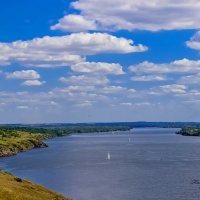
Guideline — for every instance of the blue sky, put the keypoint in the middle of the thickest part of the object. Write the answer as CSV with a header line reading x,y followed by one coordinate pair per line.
x,y
99,61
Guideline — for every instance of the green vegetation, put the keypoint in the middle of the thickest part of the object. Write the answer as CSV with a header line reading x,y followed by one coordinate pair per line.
x,y
18,139
12,187
190,131
13,141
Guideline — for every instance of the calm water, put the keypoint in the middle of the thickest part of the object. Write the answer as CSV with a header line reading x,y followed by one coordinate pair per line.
x,y
154,164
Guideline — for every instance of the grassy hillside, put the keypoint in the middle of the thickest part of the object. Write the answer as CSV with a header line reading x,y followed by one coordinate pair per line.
x,y
13,188
14,141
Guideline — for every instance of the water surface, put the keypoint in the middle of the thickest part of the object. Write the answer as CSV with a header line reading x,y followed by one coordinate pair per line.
x,y
146,164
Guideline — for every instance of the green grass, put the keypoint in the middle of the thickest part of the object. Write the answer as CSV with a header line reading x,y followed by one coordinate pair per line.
x,y
12,188
12,142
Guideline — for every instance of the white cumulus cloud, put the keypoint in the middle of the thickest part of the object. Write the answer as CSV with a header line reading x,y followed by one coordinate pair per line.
x,y
174,88
190,80
33,83
59,51
178,66
131,15
98,67
85,80
24,74
194,42
148,78
74,23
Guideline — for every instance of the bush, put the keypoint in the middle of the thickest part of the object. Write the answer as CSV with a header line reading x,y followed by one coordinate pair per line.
x,y
18,179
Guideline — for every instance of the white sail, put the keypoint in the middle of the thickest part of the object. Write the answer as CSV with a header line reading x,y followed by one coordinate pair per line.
x,y
108,156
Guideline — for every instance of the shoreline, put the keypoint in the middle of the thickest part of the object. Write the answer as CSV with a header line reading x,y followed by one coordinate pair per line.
x,y
9,153
14,140
14,150
189,131
13,178
12,187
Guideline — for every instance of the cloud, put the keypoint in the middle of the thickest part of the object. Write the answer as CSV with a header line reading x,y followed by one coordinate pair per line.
x,y
194,42
85,80
115,99
113,89
148,78
39,52
2,104
131,15
190,80
22,107
143,104
33,83
126,104
174,88
98,67
117,90
75,23
76,88
31,77
178,66
60,51
53,103
94,92
84,104
24,74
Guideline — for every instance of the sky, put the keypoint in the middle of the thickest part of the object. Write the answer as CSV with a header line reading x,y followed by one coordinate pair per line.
x,y
99,61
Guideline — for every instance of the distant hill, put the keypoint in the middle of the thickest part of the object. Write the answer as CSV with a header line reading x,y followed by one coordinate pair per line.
x,y
127,124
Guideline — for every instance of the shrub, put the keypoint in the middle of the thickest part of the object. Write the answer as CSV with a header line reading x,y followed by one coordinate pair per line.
x,y
18,179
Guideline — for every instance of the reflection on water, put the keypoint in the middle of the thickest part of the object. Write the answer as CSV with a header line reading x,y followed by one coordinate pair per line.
x,y
146,164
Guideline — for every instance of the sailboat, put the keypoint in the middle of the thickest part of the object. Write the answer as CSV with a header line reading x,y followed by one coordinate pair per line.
x,y
108,157
129,140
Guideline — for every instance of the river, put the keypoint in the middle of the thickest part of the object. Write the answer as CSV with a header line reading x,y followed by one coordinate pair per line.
x,y
143,164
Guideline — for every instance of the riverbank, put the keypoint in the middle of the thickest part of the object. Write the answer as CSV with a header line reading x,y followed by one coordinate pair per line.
x,y
78,167
14,140
189,131
12,187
